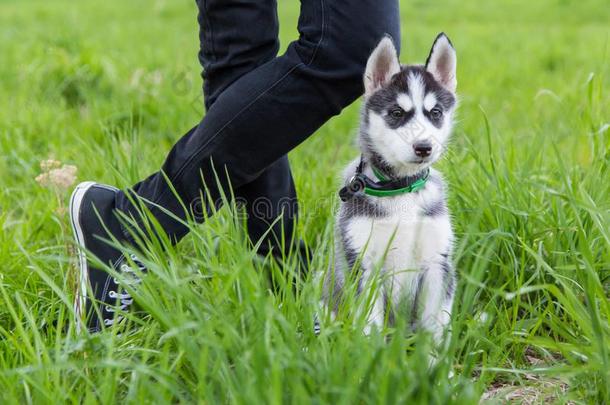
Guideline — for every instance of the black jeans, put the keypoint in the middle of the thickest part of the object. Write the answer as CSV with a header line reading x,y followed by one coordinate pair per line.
x,y
260,106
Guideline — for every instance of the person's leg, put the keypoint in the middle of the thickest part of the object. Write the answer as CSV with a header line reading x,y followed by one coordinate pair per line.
x,y
270,110
270,203
227,52
235,37
93,205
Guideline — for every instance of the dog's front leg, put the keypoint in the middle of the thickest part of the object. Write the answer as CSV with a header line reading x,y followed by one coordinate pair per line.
x,y
372,302
435,299
376,315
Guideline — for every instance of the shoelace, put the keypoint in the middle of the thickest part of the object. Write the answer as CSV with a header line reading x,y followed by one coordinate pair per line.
x,y
125,299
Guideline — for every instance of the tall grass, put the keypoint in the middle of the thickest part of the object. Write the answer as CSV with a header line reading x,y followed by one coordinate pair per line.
x,y
108,87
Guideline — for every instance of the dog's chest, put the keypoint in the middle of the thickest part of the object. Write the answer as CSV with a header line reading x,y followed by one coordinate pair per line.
x,y
403,239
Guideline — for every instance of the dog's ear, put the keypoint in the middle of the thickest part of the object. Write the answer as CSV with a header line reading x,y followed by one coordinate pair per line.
x,y
381,66
442,62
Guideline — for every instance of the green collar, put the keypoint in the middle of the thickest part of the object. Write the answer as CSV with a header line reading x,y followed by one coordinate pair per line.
x,y
406,185
379,174
385,187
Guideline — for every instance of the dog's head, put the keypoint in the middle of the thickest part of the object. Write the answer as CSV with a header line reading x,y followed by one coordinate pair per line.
x,y
408,110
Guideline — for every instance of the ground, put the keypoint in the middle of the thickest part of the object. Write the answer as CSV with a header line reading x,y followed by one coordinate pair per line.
x,y
107,87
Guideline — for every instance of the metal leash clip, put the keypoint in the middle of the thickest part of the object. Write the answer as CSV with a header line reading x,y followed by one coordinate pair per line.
x,y
355,186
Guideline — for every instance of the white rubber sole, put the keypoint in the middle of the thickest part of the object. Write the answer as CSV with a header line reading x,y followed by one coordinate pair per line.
x,y
80,300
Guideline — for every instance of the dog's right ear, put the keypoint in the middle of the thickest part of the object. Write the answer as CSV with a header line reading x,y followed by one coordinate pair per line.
x,y
381,66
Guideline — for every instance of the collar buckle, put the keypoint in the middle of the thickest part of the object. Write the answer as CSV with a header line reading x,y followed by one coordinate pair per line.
x,y
355,185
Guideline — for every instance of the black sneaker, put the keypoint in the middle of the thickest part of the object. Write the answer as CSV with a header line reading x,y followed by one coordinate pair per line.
x,y
93,218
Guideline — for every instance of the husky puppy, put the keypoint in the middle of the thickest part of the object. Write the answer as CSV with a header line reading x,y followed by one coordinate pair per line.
x,y
393,225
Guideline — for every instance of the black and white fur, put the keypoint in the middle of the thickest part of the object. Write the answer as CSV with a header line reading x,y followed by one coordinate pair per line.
x,y
407,239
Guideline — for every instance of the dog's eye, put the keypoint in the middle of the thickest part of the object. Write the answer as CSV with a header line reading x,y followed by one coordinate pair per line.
x,y
436,113
397,112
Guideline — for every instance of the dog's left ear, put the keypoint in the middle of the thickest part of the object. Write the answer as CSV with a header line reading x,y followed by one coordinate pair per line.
x,y
442,62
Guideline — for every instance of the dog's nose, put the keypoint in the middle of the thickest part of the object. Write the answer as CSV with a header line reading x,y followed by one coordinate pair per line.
x,y
422,149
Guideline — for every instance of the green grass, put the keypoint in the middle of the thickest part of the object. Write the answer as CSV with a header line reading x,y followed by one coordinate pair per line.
x,y
109,86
